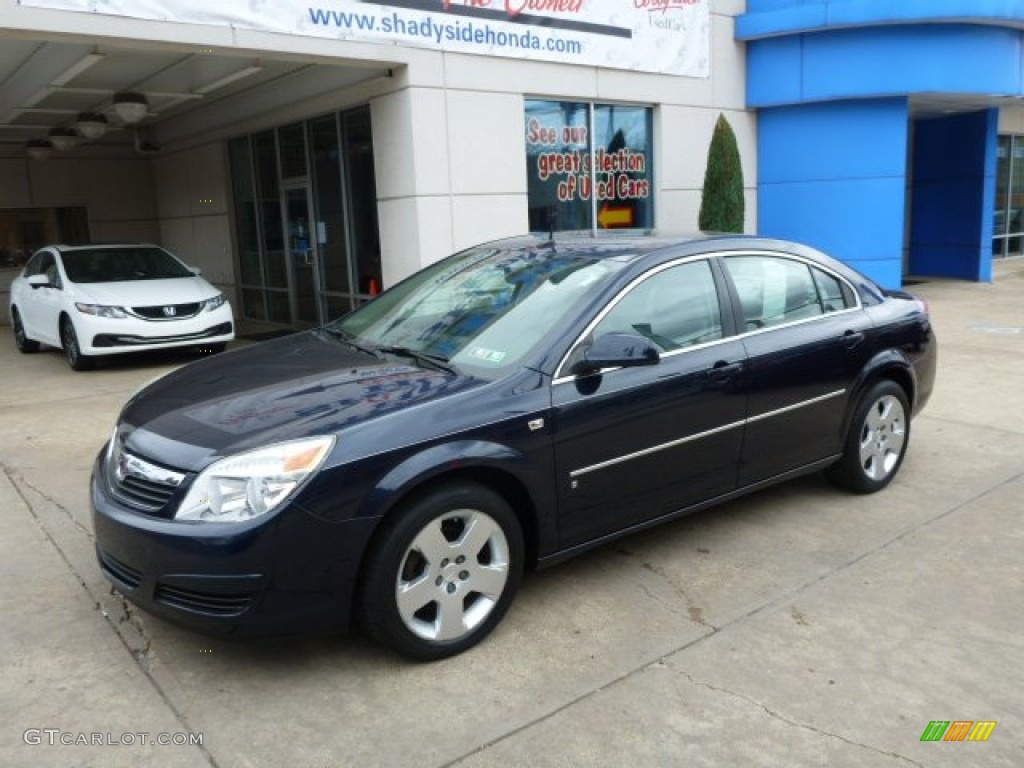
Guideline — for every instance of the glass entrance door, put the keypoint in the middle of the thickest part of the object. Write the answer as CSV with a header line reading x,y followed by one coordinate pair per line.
x,y
306,219
303,265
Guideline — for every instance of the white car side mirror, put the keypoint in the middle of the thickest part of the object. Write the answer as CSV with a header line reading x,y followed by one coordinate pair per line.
x,y
195,271
38,281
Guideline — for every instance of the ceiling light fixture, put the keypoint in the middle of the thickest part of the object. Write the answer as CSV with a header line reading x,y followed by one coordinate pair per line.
x,y
64,139
39,150
90,125
130,107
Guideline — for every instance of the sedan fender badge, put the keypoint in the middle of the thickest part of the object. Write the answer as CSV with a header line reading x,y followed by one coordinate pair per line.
x,y
535,424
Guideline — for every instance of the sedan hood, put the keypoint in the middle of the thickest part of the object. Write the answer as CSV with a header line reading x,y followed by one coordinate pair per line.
x,y
300,385
144,293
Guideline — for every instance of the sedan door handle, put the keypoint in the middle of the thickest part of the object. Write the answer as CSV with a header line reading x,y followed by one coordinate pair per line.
x,y
723,371
852,338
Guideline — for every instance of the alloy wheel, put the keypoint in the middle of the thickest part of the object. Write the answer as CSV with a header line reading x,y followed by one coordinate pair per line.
x,y
882,437
452,575
72,350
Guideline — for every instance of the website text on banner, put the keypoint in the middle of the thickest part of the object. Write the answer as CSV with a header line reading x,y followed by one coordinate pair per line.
x,y
664,36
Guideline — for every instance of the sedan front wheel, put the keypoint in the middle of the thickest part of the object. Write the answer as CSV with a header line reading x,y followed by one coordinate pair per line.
x,y
443,571
72,350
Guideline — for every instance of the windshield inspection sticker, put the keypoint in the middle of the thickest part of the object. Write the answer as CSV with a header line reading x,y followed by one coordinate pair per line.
x,y
492,356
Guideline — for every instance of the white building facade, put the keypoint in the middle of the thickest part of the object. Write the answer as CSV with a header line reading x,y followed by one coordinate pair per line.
x,y
307,155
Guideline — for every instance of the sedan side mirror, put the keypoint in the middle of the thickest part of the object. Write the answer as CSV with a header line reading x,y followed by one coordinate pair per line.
x,y
618,350
38,281
195,271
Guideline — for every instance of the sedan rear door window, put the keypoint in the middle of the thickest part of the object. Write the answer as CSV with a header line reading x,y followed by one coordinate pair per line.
x,y
835,294
773,290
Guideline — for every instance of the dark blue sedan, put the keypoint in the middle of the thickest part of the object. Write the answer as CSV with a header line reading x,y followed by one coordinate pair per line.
x,y
503,409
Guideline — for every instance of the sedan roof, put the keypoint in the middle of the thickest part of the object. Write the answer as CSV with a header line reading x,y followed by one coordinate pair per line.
x,y
623,244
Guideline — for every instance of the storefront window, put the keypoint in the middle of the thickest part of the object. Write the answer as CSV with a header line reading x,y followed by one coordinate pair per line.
x,y
293,151
331,240
246,214
23,231
362,207
1008,221
589,166
313,180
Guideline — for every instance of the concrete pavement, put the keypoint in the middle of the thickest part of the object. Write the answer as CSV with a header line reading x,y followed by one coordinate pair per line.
x,y
797,627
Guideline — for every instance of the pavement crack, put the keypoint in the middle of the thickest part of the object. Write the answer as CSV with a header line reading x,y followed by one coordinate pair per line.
x,y
788,721
142,643
693,611
22,480
13,479
672,607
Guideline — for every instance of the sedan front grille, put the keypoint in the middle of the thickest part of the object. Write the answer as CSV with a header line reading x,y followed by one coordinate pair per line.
x,y
140,484
145,493
168,311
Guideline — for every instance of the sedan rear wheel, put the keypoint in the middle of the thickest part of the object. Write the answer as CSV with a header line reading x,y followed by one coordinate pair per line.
x,y
72,351
24,344
877,441
443,572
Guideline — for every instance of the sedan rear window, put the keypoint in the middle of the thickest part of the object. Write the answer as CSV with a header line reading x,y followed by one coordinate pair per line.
x,y
115,265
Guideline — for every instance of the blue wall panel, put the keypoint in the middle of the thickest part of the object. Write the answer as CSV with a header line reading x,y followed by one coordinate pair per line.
x,y
833,176
769,18
779,67
851,139
953,195
912,59
886,61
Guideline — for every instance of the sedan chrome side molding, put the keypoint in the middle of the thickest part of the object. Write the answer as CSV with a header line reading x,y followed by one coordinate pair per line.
x,y
576,473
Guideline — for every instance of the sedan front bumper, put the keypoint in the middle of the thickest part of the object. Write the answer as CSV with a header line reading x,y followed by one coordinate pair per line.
x,y
108,336
263,577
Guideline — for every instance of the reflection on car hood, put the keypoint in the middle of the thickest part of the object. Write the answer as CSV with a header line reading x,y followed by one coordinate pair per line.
x,y
308,383
145,293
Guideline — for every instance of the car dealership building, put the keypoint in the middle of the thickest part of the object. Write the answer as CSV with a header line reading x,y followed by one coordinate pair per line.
x,y
307,154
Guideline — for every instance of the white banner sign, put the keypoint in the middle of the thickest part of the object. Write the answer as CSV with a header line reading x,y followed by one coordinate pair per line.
x,y
667,36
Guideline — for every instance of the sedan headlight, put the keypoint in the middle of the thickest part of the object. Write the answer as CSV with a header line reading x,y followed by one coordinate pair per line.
x,y
101,310
251,484
211,304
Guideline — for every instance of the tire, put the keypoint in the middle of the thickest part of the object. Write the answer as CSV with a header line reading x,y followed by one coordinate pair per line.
x,y
877,441
72,351
442,571
24,344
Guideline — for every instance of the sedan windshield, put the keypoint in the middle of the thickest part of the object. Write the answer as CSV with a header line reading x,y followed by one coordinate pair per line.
x,y
115,265
484,308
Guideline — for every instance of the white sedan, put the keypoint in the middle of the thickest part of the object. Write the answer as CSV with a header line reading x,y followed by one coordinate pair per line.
x,y
95,300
